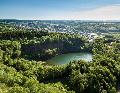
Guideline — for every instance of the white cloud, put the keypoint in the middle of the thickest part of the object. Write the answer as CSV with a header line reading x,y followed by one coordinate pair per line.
x,y
104,13
111,12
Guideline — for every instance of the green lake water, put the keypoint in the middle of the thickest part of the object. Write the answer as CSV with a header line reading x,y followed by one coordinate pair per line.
x,y
66,58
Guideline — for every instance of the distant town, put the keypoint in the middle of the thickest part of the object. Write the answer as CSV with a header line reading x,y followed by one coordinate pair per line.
x,y
90,29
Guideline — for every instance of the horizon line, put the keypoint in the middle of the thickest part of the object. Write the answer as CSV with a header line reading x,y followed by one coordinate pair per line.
x,y
62,19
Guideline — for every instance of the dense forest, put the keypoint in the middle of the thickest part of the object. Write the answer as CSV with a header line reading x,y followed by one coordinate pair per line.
x,y
23,69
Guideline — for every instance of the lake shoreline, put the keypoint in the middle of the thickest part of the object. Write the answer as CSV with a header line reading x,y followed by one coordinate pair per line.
x,y
69,57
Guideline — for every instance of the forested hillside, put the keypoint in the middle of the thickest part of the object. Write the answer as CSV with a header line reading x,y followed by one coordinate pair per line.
x,y
23,66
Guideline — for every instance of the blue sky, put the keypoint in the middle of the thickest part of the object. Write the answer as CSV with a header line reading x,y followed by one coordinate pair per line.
x,y
60,9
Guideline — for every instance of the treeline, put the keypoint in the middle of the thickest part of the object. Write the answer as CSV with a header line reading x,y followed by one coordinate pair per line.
x,y
53,44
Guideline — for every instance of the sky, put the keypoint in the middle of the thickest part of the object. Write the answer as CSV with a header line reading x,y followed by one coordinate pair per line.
x,y
60,9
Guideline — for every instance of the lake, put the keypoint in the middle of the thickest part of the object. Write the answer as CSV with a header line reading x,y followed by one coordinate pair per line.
x,y
66,58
